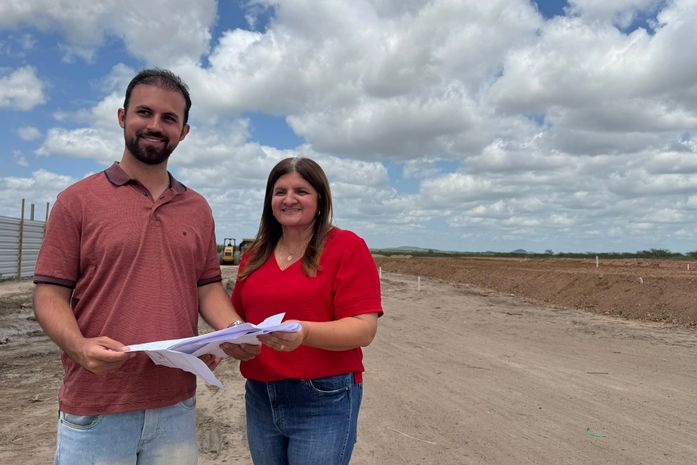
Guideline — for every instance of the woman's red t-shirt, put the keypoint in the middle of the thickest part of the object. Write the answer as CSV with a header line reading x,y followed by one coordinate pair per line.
x,y
346,284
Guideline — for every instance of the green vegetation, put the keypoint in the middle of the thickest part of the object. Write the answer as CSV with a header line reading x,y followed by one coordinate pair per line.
x,y
662,254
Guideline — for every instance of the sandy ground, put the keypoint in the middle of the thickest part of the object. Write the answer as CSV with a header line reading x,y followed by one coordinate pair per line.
x,y
458,374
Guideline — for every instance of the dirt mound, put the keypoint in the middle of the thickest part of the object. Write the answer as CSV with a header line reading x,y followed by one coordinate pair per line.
x,y
648,290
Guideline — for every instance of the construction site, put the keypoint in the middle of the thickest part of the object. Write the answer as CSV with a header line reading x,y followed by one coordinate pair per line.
x,y
476,361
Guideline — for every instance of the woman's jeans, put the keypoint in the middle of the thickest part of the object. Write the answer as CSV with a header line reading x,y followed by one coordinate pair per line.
x,y
303,421
157,436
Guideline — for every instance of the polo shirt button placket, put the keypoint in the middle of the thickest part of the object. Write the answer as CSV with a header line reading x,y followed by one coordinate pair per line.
x,y
153,215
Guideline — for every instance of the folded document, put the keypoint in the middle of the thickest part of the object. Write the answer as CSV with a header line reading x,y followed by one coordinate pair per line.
x,y
184,353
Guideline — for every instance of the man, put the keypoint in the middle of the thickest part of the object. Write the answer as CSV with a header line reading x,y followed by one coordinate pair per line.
x,y
130,256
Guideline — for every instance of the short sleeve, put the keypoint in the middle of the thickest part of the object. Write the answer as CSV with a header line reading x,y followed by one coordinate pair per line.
x,y
59,258
236,297
356,287
211,271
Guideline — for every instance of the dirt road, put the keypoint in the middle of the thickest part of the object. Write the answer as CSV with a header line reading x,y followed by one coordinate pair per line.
x,y
456,375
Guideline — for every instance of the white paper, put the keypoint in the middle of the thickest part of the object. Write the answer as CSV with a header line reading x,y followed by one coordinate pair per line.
x,y
184,353
174,359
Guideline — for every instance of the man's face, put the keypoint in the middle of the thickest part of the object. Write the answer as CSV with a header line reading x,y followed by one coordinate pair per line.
x,y
153,125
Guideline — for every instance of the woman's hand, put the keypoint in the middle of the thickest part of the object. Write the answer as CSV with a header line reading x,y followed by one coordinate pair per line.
x,y
284,341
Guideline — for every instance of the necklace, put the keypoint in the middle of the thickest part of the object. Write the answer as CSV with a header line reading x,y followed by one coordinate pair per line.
x,y
284,250
291,255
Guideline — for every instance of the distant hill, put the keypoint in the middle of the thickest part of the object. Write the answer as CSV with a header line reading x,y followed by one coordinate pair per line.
x,y
412,249
663,254
405,249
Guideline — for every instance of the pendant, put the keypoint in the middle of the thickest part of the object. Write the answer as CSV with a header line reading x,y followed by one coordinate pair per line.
x,y
290,258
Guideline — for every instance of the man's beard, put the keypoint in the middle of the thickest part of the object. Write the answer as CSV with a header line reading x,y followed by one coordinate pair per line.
x,y
149,154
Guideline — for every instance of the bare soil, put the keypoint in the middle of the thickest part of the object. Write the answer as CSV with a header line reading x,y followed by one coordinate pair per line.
x,y
477,361
648,290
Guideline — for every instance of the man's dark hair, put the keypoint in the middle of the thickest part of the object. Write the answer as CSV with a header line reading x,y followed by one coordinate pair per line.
x,y
161,78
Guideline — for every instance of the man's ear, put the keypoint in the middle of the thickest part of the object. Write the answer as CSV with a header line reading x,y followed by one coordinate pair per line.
x,y
121,114
185,131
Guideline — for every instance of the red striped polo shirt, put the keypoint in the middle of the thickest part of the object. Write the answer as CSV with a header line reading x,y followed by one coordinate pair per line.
x,y
134,264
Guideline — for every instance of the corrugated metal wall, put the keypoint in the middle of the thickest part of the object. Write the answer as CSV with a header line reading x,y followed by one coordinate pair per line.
x,y
31,233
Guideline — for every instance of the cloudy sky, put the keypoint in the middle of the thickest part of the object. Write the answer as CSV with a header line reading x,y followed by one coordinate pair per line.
x,y
451,124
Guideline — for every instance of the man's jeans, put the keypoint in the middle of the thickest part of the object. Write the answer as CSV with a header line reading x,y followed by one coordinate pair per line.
x,y
303,422
158,436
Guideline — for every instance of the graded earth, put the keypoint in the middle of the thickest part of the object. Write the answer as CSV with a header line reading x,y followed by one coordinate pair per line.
x,y
476,361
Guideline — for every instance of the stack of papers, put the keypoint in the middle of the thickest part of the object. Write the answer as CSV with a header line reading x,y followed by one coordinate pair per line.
x,y
184,353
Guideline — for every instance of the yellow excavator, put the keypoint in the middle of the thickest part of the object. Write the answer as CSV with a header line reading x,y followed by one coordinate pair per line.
x,y
227,255
232,253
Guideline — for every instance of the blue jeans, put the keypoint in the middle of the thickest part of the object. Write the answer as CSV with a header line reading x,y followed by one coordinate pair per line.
x,y
158,436
303,421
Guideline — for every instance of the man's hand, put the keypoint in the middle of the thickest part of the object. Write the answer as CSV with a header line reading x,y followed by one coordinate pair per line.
x,y
210,360
101,355
241,352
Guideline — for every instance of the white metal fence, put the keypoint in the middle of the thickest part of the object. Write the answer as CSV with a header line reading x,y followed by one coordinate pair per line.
x,y
20,241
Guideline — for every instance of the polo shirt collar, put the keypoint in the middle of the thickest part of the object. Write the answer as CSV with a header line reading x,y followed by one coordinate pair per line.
x,y
118,177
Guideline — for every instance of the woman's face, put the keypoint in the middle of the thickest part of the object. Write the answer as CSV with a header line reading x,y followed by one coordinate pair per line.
x,y
294,201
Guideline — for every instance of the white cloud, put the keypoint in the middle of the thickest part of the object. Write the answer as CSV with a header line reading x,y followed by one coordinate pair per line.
x,y
161,32
640,183
38,189
374,127
20,159
81,143
27,41
28,133
101,139
619,12
671,162
512,131
421,168
117,80
234,185
562,219
21,89
453,189
502,156
367,78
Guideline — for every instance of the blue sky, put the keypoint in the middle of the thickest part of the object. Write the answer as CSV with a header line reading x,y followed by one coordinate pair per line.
x,y
449,124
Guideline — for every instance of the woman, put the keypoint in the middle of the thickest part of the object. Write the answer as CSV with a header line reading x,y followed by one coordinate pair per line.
x,y
304,389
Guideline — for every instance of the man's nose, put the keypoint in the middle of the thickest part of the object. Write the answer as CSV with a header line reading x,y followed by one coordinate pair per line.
x,y
155,124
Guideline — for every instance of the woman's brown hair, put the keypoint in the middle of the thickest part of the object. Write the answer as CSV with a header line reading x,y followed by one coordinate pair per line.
x,y
270,229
